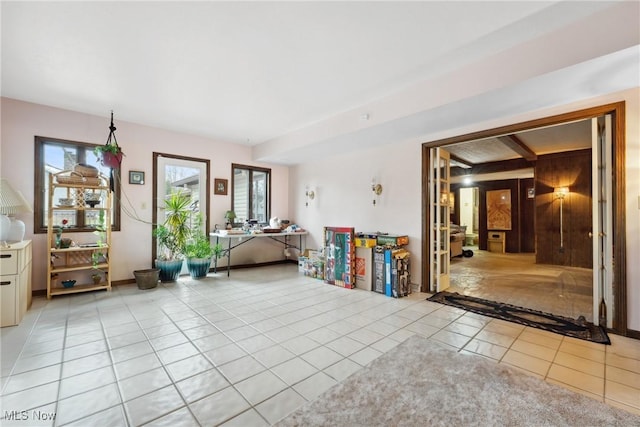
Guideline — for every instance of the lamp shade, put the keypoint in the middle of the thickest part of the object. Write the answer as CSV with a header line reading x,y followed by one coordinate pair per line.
x,y
561,190
11,202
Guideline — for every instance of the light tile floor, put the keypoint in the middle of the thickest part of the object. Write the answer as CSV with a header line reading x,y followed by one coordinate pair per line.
x,y
249,349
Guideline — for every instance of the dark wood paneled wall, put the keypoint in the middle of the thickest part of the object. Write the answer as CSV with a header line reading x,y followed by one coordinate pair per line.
x,y
521,237
573,170
527,216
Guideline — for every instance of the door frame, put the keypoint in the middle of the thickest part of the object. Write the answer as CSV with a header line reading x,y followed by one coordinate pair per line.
x,y
207,162
617,111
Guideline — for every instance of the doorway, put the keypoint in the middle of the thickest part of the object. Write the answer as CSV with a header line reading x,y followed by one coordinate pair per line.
x,y
187,175
618,319
468,206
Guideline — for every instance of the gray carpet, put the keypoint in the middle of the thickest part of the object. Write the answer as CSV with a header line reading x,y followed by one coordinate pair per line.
x,y
420,383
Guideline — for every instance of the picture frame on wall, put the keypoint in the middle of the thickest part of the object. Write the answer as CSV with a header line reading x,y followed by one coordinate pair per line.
x,y
136,177
499,209
220,186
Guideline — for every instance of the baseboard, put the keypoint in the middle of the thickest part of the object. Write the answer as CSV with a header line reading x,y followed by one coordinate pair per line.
x,y
43,292
633,334
122,282
257,264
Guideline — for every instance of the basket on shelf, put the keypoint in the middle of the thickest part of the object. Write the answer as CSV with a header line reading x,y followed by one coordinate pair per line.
x,y
87,171
75,178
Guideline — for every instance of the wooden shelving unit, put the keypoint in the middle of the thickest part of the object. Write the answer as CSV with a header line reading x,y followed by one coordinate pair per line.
x,y
89,256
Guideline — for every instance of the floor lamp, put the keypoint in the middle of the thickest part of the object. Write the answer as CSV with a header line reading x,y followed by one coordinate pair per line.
x,y
560,193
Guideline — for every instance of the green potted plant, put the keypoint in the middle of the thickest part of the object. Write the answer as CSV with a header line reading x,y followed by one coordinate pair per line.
x,y
110,155
229,217
199,251
172,236
97,256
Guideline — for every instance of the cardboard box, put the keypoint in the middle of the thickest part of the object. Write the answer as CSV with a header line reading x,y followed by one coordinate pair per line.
x,y
364,268
301,262
365,242
339,256
392,240
318,268
314,269
379,275
400,273
313,255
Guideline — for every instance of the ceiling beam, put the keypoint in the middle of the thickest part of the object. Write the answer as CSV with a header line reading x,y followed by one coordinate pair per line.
x,y
516,144
494,167
463,163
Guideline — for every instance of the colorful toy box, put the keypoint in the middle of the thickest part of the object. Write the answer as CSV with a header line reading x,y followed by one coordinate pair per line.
x,y
339,263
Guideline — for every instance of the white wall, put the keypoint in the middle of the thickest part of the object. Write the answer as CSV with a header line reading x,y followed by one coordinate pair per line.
x,y
466,208
344,198
21,121
343,183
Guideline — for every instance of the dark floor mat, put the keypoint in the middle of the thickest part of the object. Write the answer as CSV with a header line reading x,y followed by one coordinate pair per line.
x,y
576,328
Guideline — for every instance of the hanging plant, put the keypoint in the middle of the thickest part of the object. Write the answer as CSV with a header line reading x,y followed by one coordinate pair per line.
x,y
110,154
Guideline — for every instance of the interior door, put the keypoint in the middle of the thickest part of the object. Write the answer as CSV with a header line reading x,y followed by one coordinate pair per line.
x,y
188,175
439,243
602,233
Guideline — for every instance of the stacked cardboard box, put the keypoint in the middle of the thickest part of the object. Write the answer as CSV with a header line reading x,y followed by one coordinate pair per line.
x,y
391,266
372,261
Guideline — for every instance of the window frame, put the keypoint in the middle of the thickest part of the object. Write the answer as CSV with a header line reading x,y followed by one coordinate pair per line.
x,y
251,170
40,193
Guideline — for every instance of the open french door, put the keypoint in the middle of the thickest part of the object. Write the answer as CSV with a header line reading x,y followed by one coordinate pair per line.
x,y
602,234
187,175
439,244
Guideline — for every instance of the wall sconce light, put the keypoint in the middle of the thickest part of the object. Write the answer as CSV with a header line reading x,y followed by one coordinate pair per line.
x,y
377,190
309,194
560,193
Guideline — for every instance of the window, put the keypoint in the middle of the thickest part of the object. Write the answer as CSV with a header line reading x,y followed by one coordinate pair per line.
x,y
56,155
251,193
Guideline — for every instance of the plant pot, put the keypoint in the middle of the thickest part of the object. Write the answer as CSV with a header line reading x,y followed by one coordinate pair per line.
x,y
111,160
198,267
169,270
147,279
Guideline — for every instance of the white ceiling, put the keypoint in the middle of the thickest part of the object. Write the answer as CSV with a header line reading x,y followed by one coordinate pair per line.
x,y
264,73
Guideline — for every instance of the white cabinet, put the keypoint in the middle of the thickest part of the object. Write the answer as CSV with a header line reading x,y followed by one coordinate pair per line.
x,y
86,200
15,282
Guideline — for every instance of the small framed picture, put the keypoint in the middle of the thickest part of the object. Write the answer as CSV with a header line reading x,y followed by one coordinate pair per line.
x,y
531,193
220,186
136,177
